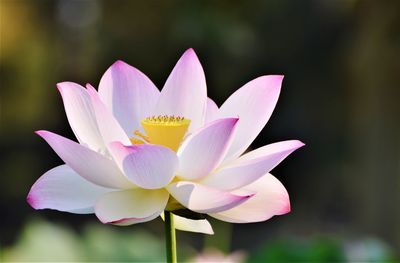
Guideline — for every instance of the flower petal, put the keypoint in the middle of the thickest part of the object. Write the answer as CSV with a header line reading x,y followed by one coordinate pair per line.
x,y
204,199
253,104
89,164
211,111
62,189
185,92
251,166
271,199
147,165
131,206
109,127
80,114
129,94
192,225
203,150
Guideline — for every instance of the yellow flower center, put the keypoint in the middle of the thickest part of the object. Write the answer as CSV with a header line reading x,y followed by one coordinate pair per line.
x,y
168,131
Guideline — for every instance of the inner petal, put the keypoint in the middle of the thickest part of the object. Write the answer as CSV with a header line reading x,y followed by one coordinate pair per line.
x,y
167,131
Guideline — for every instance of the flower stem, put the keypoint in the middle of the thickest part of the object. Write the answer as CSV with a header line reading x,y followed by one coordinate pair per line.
x,y
170,239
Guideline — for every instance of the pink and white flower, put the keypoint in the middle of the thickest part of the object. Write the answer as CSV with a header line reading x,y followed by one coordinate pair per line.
x,y
142,151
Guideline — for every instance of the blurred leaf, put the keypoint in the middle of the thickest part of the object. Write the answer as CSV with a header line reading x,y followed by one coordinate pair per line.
x,y
42,241
296,250
108,243
368,250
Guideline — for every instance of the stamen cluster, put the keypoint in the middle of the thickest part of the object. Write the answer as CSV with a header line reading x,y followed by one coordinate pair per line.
x,y
165,119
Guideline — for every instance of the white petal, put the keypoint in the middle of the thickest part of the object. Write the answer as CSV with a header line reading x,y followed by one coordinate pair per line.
x,y
147,165
203,199
109,127
211,111
203,150
129,94
80,114
253,104
89,164
185,92
131,206
271,199
61,188
251,166
192,225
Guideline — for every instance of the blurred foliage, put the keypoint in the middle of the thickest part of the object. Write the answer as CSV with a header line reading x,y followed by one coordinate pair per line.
x,y
291,250
323,249
43,241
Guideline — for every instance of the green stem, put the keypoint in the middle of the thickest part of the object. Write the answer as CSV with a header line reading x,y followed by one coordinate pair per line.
x,y
170,239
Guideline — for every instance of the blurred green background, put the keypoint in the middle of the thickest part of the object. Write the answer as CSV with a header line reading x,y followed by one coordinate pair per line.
x,y
341,94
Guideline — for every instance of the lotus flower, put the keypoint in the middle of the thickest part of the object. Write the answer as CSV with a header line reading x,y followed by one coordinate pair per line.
x,y
142,151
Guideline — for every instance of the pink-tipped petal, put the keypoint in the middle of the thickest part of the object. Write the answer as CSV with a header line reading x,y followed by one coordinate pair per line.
x,y
204,199
133,220
251,166
253,104
80,114
271,199
109,127
185,92
62,189
203,150
128,94
147,165
131,206
211,111
192,225
89,164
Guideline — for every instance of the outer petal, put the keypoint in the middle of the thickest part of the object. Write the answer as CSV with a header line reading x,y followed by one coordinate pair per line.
x,y
253,104
89,164
205,149
63,189
149,166
251,166
129,94
80,114
203,199
271,199
185,92
211,111
191,225
109,127
131,206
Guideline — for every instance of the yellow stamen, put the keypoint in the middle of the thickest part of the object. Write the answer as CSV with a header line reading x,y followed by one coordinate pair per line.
x,y
141,135
168,131
136,141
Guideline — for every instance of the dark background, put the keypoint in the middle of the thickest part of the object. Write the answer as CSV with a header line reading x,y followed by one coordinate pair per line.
x,y
341,61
